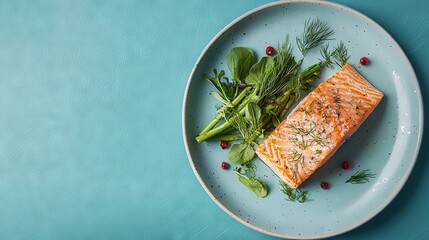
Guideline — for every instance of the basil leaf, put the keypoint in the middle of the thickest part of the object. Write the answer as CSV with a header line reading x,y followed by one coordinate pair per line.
x,y
240,60
241,153
259,70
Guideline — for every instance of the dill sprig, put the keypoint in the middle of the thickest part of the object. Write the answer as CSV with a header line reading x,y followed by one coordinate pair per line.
x,y
337,56
284,67
293,194
361,176
315,33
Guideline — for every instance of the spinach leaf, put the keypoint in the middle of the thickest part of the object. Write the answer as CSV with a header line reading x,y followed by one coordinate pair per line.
x,y
260,70
240,60
254,185
253,115
241,153
248,179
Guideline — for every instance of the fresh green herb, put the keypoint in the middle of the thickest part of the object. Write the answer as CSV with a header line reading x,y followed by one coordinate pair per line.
x,y
283,69
241,153
247,176
361,176
228,94
308,134
250,127
279,83
293,194
315,33
340,54
257,72
337,56
225,94
296,157
303,81
240,60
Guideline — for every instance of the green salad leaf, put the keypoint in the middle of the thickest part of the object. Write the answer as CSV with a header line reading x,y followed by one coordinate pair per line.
x,y
250,127
226,93
247,176
240,60
241,153
259,71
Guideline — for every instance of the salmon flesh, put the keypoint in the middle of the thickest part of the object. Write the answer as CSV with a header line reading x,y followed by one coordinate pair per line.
x,y
318,126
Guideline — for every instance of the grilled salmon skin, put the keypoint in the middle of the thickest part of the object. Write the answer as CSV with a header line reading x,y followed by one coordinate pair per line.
x,y
318,126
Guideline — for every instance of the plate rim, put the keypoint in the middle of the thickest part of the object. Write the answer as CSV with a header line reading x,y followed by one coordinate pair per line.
x,y
414,80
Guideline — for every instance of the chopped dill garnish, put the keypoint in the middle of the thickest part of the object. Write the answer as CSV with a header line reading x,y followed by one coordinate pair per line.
x,y
296,157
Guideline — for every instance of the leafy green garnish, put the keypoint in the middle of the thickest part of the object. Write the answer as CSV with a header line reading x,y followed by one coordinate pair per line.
x,y
338,56
250,127
258,71
283,69
226,94
241,153
360,177
293,194
315,33
240,60
247,176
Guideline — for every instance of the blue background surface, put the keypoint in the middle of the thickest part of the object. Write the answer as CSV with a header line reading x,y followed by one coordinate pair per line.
x,y
90,126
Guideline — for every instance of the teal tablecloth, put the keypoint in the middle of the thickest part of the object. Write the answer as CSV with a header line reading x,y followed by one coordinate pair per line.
x,y
90,120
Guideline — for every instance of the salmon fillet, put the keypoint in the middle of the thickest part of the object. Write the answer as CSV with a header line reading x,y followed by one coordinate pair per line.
x,y
318,126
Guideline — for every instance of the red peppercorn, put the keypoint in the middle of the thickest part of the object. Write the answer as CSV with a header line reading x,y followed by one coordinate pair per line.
x,y
324,185
346,165
364,60
269,50
223,144
225,165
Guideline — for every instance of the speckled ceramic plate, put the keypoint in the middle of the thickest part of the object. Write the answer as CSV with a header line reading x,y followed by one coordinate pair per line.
x,y
387,143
